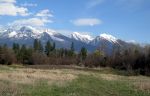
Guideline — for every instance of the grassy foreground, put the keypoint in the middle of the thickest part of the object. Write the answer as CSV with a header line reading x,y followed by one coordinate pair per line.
x,y
16,81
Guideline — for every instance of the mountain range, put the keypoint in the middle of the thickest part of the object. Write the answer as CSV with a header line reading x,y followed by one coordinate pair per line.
x,y
27,35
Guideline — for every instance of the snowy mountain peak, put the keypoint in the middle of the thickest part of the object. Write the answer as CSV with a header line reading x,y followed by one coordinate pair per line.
x,y
19,32
27,31
108,37
81,37
27,34
50,32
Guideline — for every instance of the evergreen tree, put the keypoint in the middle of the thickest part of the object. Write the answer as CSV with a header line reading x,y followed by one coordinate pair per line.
x,y
28,55
36,45
53,48
72,47
83,53
16,48
22,53
40,46
48,48
71,53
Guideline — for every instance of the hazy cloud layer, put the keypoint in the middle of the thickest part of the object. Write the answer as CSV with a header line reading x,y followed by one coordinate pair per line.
x,y
44,13
32,22
87,22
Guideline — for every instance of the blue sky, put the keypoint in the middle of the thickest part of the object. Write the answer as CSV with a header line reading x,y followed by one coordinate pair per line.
x,y
125,19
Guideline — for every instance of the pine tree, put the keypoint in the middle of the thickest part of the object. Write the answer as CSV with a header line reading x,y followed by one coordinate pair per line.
x,y
48,48
53,48
40,47
36,45
83,53
22,53
16,48
29,53
72,49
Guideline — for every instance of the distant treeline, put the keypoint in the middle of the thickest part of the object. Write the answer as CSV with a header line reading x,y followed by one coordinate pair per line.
x,y
134,60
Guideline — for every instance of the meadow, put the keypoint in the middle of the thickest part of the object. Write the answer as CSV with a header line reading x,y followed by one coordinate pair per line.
x,y
23,81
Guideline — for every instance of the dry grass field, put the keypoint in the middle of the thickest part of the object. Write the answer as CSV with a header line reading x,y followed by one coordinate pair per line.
x,y
22,81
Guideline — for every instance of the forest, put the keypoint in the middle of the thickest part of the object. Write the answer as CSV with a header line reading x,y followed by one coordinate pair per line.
x,y
134,60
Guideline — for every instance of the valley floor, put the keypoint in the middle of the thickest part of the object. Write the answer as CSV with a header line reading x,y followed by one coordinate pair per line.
x,y
23,81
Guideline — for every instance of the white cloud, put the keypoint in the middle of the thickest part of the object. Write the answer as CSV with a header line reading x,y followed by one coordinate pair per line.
x,y
44,13
86,22
32,22
94,3
7,1
8,7
40,19
29,5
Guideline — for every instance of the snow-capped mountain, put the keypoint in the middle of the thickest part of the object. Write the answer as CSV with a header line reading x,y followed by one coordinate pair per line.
x,y
27,34
109,37
80,37
104,39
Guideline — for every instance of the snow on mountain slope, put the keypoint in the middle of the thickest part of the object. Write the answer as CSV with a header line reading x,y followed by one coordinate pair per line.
x,y
50,31
109,37
2,29
27,34
12,34
106,39
80,37
19,33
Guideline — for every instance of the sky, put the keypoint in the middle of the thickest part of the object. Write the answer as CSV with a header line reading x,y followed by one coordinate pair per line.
x,y
125,19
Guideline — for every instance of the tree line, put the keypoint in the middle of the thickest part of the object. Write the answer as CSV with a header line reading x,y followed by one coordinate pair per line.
x,y
134,59
39,54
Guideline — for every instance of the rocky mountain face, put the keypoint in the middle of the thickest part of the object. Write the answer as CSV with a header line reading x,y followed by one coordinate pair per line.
x,y
27,34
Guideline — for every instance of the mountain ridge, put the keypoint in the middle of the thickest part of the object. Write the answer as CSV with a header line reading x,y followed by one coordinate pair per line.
x,y
27,34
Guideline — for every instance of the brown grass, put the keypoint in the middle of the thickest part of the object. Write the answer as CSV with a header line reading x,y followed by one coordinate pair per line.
x,y
140,82
61,77
29,76
110,77
9,89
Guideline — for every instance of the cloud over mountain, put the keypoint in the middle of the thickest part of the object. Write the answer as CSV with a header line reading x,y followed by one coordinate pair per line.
x,y
87,22
9,7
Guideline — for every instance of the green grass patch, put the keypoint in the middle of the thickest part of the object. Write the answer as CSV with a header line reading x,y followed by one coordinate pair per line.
x,y
84,86
4,68
89,82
